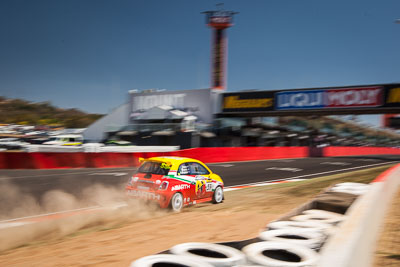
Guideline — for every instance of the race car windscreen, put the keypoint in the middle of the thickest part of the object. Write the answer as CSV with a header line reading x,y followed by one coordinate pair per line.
x,y
154,167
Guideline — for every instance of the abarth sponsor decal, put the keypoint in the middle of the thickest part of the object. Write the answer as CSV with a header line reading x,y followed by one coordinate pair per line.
x,y
143,187
180,187
143,194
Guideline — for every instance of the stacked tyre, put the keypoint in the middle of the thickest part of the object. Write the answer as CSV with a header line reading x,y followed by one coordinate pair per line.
x,y
214,254
290,243
280,254
351,188
168,260
294,242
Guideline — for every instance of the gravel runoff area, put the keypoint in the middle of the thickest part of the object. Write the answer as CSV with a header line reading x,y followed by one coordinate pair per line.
x,y
388,247
117,240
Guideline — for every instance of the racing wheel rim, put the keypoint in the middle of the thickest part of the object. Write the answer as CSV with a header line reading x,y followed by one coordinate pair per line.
x,y
177,202
218,195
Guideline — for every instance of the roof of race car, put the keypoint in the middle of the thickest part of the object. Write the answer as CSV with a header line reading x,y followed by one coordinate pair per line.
x,y
173,159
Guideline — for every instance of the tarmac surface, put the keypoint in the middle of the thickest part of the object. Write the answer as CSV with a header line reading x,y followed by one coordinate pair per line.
x,y
73,181
37,183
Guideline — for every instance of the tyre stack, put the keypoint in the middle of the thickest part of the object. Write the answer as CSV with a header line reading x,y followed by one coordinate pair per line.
x,y
292,241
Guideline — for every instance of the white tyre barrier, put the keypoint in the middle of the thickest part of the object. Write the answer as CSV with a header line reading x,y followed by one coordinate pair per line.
x,y
316,226
348,184
353,191
307,238
217,255
319,216
168,260
322,213
314,218
279,254
351,188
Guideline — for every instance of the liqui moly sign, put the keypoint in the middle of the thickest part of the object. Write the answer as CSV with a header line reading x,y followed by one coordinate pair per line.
x,y
354,97
300,99
330,98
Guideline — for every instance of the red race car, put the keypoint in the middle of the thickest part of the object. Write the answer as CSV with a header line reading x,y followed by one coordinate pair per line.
x,y
175,182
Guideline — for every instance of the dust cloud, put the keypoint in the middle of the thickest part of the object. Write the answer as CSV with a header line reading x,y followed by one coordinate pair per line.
x,y
114,210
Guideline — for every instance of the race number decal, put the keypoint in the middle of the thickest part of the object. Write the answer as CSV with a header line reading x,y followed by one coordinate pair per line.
x,y
209,187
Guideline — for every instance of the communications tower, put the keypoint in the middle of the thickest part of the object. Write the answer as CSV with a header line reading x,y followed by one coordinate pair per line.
x,y
219,20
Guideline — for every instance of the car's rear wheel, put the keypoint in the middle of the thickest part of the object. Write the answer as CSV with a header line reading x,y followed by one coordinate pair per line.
x,y
176,203
218,195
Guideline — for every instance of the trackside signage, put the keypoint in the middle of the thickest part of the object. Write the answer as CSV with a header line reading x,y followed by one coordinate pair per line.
x,y
194,102
354,97
393,96
368,99
300,99
248,101
330,98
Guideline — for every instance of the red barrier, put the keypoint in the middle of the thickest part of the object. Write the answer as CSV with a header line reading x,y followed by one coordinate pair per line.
x,y
55,160
228,154
383,176
334,151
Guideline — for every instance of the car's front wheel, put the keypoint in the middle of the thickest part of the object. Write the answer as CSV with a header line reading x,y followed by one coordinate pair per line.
x,y
176,203
218,195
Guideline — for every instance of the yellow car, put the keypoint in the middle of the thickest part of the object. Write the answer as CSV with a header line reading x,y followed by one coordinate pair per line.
x,y
175,182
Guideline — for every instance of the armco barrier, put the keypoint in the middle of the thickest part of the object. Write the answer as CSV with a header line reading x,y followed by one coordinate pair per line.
x,y
334,151
354,243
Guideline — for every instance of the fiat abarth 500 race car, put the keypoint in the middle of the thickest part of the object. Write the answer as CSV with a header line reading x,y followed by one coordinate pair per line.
x,y
175,182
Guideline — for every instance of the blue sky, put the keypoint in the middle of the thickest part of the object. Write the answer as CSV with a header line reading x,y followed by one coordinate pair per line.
x,y
88,53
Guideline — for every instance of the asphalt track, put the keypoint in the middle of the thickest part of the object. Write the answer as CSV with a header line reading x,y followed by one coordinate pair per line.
x,y
36,183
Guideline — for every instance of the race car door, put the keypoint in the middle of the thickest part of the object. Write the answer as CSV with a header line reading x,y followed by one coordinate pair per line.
x,y
190,171
201,177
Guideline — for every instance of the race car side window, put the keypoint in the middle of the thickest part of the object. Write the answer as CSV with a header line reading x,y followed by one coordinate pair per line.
x,y
184,169
198,169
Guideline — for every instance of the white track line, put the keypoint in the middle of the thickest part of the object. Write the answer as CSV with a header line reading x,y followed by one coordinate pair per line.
x,y
55,174
50,213
233,188
258,160
313,174
12,224
116,206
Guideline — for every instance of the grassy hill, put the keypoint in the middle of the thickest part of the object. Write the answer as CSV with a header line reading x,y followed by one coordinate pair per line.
x,y
44,113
